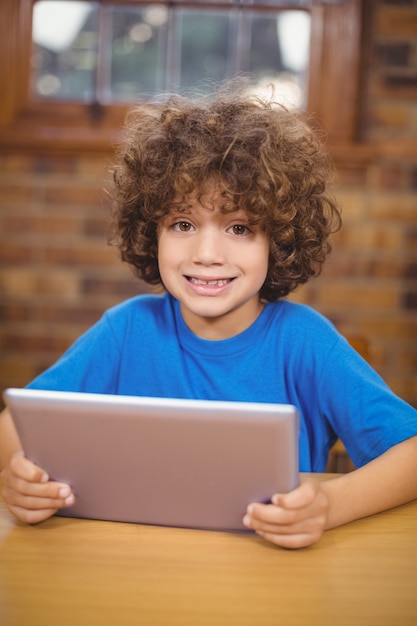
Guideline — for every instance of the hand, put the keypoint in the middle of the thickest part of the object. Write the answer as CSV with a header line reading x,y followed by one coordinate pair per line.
x,y
28,492
293,520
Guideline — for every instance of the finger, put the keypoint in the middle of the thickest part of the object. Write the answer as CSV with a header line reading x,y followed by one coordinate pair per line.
x,y
293,541
30,516
34,509
22,467
37,495
50,489
270,513
281,524
34,503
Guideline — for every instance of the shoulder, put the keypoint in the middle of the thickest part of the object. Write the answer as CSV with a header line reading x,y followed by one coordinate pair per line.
x,y
145,311
144,305
303,334
301,318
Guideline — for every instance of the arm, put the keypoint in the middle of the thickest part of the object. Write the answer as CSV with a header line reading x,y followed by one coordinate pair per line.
x,y
384,483
27,490
298,519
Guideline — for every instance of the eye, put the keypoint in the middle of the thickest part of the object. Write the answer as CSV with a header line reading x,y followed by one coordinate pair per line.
x,y
239,229
182,226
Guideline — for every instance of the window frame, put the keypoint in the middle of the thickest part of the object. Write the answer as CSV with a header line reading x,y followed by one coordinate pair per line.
x,y
333,99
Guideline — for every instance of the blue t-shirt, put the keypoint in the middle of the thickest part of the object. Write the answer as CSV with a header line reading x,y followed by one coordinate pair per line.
x,y
290,354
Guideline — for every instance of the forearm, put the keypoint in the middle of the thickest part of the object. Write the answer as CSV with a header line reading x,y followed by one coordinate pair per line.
x,y
384,483
9,440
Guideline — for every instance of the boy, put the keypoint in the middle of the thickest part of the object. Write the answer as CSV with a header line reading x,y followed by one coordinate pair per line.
x,y
224,204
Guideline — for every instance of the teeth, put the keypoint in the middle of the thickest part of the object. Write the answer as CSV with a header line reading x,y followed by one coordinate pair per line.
x,y
217,283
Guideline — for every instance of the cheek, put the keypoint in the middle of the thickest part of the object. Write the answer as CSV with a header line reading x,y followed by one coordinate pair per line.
x,y
167,254
263,259
160,254
162,246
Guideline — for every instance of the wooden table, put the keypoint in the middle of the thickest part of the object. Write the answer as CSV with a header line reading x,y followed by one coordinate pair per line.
x,y
82,573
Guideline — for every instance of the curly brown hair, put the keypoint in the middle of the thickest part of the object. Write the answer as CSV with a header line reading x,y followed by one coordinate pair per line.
x,y
263,157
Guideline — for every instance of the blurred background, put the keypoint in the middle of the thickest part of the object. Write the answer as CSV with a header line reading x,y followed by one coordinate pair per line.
x,y
72,69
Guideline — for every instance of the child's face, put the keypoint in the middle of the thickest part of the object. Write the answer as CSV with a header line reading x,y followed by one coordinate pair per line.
x,y
215,265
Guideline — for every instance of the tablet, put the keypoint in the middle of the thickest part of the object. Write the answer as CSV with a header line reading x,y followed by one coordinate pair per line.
x,y
172,462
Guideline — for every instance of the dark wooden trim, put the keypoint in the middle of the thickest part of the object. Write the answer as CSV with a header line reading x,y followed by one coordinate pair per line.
x,y
334,88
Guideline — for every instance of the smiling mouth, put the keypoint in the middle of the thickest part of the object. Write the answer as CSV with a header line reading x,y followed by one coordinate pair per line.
x,y
209,283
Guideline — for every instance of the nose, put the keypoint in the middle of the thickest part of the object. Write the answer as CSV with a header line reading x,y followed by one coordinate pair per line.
x,y
208,247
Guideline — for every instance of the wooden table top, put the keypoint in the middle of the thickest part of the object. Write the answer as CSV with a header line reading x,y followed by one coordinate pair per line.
x,y
82,572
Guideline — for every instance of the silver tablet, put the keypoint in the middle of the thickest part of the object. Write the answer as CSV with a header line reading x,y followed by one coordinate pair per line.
x,y
188,463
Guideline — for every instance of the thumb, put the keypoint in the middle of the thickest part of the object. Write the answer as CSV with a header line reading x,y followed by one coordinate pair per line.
x,y
299,497
24,468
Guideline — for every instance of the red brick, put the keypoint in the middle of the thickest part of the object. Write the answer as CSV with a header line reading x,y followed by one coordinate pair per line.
x,y
405,387
366,237
97,227
16,371
74,194
397,21
17,253
16,163
393,207
359,296
40,224
117,286
55,165
35,341
390,115
82,255
407,358
374,267
395,177
78,315
94,168
36,282
16,311
389,328
16,192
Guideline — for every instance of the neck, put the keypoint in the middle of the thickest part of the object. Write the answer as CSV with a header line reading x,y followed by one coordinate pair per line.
x,y
223,327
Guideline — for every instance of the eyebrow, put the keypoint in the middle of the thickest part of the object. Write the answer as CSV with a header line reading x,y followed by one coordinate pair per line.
x,y
179,207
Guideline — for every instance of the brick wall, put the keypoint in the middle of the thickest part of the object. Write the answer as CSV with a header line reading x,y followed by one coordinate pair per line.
x,y
57,274
369,285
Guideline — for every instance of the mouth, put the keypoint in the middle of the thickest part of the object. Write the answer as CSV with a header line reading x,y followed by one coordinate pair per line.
x,y
216,282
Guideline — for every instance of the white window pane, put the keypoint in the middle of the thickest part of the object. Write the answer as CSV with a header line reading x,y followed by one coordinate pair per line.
x,y
138,51
204,47
279,53
281,3
65,49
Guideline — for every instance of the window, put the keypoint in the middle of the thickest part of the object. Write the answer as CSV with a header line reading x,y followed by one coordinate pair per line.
x,y
70,87
112,53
